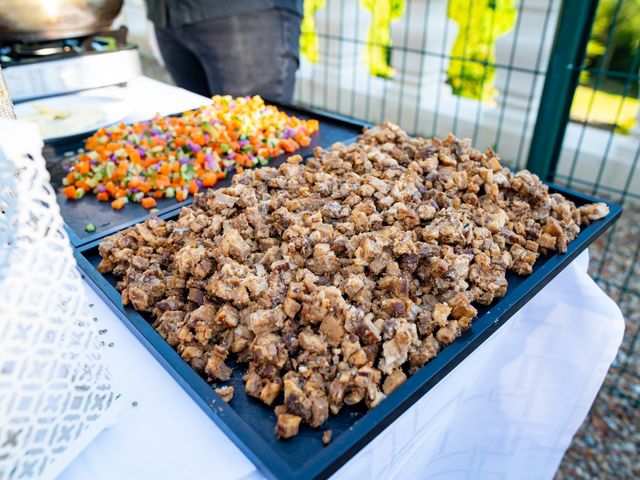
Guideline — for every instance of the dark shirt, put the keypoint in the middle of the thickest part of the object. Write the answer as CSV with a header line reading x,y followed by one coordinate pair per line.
x,y
176,13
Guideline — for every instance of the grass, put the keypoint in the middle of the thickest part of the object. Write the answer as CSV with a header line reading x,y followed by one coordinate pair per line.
x,y
605,108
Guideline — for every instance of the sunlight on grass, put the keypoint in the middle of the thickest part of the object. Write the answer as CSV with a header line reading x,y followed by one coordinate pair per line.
x,y
604,109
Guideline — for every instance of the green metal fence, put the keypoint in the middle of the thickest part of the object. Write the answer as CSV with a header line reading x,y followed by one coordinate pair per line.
x,y
615,258
535,67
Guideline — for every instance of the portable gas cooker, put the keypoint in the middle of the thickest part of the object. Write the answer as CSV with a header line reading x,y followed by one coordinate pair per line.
x,y
56,67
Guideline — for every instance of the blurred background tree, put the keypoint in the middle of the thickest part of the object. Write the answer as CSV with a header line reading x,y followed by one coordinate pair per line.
x,y
611,101
471,72
308,33
621,31
378,51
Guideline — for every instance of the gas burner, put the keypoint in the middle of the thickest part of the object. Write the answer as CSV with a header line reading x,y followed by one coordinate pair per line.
x,y
19,51
41,49
57,67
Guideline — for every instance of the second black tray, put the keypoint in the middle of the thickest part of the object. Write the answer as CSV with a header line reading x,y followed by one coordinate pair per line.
x,y
250,424
78,214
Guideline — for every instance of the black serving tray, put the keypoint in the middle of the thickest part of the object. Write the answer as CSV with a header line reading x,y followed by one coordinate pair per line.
x,y
250,424
78,214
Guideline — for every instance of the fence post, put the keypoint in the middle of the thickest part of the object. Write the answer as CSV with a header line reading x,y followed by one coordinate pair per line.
x,y
568,52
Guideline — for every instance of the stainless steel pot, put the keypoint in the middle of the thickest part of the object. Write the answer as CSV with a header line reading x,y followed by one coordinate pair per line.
x,y
34,20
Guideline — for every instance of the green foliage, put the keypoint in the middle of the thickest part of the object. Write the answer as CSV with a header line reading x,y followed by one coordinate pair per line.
x,y
383,12
471,71
604,110
308,33
623,37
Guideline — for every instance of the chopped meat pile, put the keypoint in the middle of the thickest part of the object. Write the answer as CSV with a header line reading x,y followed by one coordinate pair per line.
x,y
335,280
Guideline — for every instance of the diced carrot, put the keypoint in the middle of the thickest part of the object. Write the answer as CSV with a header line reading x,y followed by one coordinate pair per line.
x,y
289,145
91,144
162,181
111,188
117,204
144,187
221,175
241,159
102,151
71,178
83,167
122,169
134,182
135,156
175,166
181,195
275,151
113,146
158,194
198,139
102,196
147,162
148,202
193,187
82,184
165,169
302,139
120,193
239,169
70,192
209,179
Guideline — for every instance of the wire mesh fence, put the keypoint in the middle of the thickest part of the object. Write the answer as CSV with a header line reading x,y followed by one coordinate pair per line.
x,y
439,74
489,70
602,161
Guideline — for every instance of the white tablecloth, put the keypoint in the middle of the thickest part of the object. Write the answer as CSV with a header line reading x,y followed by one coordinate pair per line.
x,y
509,410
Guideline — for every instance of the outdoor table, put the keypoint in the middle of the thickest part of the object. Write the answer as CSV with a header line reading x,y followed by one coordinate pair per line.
x,y
509,410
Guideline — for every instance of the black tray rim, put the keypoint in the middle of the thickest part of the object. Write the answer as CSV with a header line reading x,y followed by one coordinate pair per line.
x,y
328,460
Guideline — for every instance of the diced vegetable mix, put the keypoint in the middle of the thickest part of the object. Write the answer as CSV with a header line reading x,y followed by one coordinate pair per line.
x,y
174,157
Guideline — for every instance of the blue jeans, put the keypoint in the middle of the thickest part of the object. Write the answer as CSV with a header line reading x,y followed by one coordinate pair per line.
x,y
238,55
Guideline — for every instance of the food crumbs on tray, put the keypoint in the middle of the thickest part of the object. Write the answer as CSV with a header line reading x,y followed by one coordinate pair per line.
x,y
178,156
90,227
332,281
326,437
226,393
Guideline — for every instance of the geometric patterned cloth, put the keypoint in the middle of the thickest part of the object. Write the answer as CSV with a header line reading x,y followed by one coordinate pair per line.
x,y
56,392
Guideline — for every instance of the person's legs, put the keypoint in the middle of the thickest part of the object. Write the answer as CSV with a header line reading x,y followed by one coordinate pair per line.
x,y
254,54
183,65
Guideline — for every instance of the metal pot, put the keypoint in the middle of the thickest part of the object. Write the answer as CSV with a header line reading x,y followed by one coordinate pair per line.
x,y
36,20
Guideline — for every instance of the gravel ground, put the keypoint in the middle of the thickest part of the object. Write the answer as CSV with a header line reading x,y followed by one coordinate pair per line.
x,y
607,444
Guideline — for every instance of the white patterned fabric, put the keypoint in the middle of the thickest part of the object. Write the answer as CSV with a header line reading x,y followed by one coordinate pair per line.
x,y
56,392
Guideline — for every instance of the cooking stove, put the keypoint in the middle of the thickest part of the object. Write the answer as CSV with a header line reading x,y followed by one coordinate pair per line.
x,y
56,67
